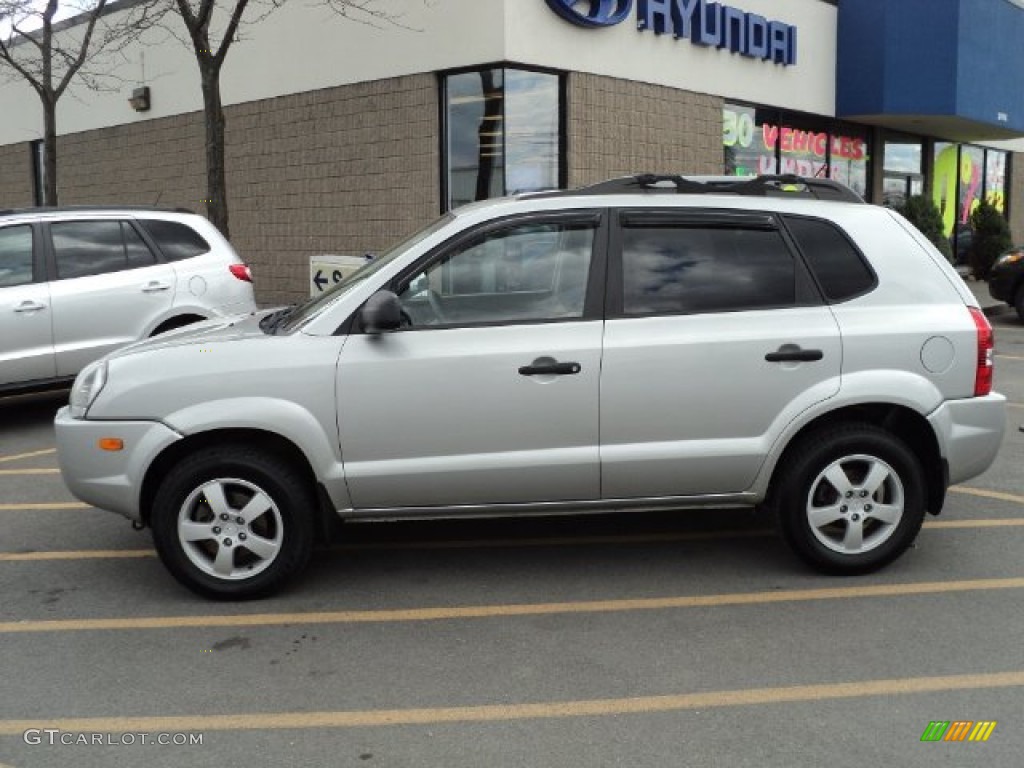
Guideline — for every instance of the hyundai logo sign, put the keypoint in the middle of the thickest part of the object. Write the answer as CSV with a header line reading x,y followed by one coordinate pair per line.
x,y
592,13
703,22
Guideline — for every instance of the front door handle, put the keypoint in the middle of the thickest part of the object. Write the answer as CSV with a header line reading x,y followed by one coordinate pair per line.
x,y
551,369
155,287
792,353
29,306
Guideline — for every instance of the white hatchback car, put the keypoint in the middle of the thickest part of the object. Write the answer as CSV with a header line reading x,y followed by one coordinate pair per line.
x,y
77,283
647,343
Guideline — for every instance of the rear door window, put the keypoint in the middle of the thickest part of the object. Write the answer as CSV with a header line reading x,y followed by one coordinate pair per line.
x,y
684,268
83,248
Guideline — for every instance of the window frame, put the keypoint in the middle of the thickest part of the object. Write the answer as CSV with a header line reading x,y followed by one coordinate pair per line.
x,y
594,298
443,123
807,293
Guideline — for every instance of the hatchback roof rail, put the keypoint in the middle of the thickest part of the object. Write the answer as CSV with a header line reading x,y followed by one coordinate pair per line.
x,y
759,186
90,208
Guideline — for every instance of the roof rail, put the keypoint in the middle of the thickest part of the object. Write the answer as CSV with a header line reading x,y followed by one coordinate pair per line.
x,y
760,186
90,208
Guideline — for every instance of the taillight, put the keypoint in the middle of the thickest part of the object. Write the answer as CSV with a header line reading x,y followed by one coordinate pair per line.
x,y
242,272
986,352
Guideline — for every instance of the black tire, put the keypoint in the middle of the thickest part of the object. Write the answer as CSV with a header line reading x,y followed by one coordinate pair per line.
x,y
235,474
1018,303
856,453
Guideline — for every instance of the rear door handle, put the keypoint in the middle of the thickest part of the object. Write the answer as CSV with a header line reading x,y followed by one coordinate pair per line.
x,y
792,353
30,306
155,287
555,369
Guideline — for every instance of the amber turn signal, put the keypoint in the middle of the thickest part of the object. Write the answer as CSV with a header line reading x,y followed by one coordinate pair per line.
x,y
110,443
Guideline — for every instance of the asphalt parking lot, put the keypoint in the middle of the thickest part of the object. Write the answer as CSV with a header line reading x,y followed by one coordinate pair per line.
x,y
693,639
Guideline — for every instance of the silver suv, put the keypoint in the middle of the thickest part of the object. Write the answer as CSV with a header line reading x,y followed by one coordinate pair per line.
x,y
648,343
76,283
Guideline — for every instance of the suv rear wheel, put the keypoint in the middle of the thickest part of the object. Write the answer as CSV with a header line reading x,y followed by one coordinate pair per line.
x,y
233,522
851,498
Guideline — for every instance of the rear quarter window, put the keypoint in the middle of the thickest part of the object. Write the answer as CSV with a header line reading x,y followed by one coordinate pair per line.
x,y
175,240
839,267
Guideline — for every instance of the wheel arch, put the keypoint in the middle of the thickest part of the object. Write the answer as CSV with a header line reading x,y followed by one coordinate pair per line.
x,y
274,444
903,422
177,321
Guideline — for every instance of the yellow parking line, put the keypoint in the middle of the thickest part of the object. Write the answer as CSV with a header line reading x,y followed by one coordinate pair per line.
x,y
249,721
29,455
508,610
1002,522
984,493
1008,357
1015,405
46,471
79,554
19,506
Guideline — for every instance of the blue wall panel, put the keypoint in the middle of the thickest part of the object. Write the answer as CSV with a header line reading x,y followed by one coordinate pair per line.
x,y
940,58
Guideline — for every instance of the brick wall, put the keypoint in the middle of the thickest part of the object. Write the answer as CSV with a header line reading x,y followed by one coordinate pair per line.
x,y
342,170
16,176
618,127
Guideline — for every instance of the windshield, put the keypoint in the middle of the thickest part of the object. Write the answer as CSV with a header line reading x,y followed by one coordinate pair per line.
x,y
303,312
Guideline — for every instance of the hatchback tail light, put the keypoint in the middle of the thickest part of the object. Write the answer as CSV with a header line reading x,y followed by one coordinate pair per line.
x,y
242,272
986,353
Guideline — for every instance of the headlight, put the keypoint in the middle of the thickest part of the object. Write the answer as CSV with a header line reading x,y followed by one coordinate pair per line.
x,y
88,384
1009,258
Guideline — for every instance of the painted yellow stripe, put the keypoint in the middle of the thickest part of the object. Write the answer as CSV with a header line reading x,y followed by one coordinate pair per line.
x,y
529,609
987,494
250,721
80,554
1015,405
29,455
29,471
19,506
1008,357
1003,522
115,554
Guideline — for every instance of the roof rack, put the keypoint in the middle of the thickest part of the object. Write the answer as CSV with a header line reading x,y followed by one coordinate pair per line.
x,y
786,185
90,208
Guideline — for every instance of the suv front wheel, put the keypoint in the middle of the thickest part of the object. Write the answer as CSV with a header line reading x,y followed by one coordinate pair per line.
x,y
233,522
851,498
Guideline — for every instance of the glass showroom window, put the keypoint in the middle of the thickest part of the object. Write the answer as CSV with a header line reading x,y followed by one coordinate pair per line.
x,y
963,176
503,134
759,141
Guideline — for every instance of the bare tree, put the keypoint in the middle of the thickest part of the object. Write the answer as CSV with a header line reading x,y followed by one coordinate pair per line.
x,y
48,53
213,25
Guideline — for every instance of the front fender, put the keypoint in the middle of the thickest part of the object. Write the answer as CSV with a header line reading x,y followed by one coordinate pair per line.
x,y
281,417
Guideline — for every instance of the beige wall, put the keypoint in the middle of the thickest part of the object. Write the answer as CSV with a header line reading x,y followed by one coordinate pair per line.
x,y
619,127
15,176
342,170
1016,196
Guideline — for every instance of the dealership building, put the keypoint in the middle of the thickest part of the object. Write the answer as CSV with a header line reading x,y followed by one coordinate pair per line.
x,y
343,137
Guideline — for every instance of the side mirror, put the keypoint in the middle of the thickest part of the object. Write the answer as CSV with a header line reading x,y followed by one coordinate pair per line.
x,y
381,313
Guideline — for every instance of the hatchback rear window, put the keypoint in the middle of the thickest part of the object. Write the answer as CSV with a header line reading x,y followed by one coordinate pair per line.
x,y
175,240
840,269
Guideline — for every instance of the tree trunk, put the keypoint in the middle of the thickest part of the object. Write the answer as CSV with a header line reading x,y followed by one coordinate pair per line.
x,y
49,152
216,172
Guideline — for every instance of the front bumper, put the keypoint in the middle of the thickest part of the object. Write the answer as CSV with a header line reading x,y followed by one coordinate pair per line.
x,y
109,480
969,432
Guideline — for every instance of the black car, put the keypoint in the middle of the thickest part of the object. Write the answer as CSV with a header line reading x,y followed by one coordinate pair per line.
x,y
1006,279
